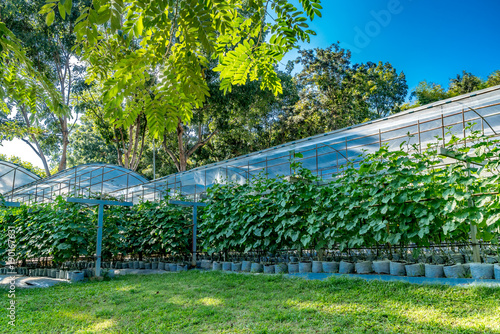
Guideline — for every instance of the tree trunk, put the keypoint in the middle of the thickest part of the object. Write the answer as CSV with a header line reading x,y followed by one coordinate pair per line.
x,y
38,149
180,161
65,141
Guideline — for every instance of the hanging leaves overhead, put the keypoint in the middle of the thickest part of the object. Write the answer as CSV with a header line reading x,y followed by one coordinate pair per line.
x,y
170,42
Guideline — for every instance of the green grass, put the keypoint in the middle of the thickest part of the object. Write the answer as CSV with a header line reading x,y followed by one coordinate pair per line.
x,y
213,302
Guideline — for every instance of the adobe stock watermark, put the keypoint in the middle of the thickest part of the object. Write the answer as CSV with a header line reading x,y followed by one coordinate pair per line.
x,y
11,266
381,19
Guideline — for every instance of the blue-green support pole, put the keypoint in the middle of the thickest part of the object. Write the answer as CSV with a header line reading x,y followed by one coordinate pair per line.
x,y
100,219
195,206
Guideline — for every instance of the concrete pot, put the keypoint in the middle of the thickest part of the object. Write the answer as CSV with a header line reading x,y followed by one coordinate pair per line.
x,y
216,266
136,265
363,267
330,267
346,267
434,270
172,267
246,266
147,265
481,270
154,265
415,270
280,268
397,268
161,265
269,269
293,267
182,267
382,267
142,265
256,268
317,266
305,267
456,271
226,266
236,266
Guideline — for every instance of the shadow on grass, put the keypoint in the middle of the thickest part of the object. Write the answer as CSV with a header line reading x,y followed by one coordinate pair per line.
x,y
213,302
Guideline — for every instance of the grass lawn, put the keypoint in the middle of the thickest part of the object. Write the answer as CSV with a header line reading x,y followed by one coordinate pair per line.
x,y
214,302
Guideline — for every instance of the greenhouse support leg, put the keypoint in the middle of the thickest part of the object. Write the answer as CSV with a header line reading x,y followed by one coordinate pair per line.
x,y
193,262
473,228
99,241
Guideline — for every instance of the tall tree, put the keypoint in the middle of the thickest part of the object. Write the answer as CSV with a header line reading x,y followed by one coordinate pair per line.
x,y
428,92
465,83
24,90
334,93
237,121
174,41
50,50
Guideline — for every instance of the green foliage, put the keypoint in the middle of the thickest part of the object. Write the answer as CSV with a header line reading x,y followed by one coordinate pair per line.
x,y
25,164
335,93
389,197
428,92
128,44
66,231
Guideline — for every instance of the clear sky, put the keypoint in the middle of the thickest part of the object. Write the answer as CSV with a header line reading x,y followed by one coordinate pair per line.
x,y
431,40
427,40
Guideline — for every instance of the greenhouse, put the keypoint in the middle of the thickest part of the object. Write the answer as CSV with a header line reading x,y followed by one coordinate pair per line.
x,y
325,155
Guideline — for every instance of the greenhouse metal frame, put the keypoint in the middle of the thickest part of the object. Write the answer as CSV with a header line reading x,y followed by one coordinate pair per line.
x,y
325,155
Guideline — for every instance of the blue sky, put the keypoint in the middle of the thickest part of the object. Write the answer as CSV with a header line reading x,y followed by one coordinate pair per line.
x,y
427,40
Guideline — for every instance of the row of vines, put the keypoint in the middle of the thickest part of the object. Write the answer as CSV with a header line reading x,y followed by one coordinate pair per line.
x,y
66,231
387,198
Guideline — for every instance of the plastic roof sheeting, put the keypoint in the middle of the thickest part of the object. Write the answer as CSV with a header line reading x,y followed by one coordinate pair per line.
x,y
13,176
83,180
324,154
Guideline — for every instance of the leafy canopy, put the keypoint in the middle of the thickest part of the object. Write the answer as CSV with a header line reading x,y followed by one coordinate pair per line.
x,y
170,42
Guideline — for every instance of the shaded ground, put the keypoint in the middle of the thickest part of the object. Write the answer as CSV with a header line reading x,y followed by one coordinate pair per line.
x,y
213,302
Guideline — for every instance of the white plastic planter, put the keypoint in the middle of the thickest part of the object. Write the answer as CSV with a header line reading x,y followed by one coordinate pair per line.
x,y
330,267
382,267
317,266
481,270
364,267
415,270
346,267
434,270
397,268
455,271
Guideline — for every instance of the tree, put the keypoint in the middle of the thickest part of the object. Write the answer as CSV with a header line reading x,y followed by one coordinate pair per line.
x,y
50,50
126,143
173,40
428,92
465,83
386,89
23,90
232,124
493,79
335,93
